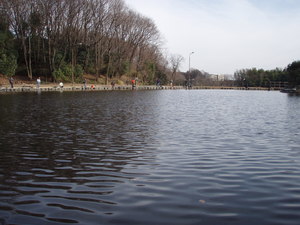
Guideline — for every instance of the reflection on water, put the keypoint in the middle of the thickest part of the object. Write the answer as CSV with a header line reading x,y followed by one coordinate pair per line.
x,y
150,157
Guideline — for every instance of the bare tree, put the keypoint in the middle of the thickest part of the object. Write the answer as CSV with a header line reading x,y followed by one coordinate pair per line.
x,y
112,38
175,61
18,15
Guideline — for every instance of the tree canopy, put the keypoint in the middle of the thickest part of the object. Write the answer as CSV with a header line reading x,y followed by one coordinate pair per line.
x,y
268,78
293,72
65,38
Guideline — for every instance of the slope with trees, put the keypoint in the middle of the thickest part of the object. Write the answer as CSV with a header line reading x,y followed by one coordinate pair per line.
x,y
62,39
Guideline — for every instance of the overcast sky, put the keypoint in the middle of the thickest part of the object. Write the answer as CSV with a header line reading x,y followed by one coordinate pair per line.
x,y
227,35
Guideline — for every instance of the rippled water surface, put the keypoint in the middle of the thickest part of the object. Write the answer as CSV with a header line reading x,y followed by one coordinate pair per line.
x,y
150,157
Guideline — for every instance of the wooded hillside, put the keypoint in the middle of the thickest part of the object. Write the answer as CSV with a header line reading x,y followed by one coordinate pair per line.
x,y
62,39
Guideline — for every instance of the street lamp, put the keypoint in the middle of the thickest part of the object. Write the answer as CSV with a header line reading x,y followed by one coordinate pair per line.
x,y
190,68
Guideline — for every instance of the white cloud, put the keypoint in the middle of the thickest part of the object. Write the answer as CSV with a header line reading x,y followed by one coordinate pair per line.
x,y
227,35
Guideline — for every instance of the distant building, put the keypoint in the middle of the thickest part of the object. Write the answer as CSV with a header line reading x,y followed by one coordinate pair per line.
x,y
221,77
215,77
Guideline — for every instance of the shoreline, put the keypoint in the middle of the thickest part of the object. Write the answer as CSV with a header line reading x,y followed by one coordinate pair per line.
x,y
78,87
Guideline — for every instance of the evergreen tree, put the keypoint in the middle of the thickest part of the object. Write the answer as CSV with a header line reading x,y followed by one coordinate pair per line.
x,y
293,72
8,59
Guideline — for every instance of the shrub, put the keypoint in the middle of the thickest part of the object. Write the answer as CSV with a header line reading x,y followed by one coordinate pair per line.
x,y
59,75
78,72
67,71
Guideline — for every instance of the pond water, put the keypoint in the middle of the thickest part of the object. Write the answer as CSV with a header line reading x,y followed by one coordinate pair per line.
x,y
150,157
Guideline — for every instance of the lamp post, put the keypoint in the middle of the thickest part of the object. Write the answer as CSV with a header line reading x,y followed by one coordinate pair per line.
x,y
189,84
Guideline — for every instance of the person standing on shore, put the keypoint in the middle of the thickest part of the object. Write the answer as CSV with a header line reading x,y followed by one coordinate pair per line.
x,y
38,83
112,85
84,84
11,81
158,82
133,83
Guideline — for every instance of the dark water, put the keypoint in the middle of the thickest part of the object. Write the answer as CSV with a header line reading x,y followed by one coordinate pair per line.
x,y
153,157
